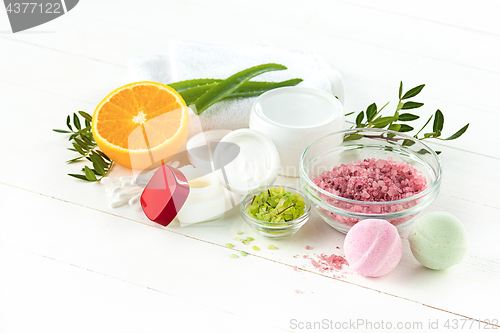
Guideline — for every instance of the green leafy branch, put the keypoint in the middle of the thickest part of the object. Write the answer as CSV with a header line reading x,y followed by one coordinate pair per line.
x,y
371,118
84,144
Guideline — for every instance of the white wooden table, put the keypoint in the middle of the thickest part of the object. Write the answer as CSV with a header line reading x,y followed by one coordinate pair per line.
x,y
69,263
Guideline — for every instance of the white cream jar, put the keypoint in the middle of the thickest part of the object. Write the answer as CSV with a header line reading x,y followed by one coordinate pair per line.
x,y
294,117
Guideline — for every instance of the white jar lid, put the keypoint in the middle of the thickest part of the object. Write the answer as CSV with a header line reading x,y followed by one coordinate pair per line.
x,y
199,145
257,163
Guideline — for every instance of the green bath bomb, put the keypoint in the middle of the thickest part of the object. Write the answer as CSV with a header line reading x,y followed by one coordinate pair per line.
x,y
438,240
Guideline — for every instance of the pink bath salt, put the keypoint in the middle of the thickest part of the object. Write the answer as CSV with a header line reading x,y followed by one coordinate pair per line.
x,y
373,180
308,247
315,263
295,268
333,261
297,291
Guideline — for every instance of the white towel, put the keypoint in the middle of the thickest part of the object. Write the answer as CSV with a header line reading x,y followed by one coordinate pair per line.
x,y
193,60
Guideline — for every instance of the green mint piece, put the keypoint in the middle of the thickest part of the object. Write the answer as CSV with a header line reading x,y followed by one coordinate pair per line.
x,y
234,256
255,248
272,247
229,245
239,233
243,253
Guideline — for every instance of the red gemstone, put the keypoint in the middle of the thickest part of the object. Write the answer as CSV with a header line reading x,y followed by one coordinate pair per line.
x,y
164,195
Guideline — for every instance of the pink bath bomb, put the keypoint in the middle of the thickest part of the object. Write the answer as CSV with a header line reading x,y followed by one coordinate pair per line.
x,y
373,247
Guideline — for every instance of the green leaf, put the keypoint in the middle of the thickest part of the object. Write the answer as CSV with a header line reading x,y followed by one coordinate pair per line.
x,y
82,177
423,151
371,112
227,86
89,174
87,140
87,123
81,144
78,149
74,160
408,143
428,120
405,128
348,114
395,127
96,154
68,121
103,155
61,131
400,89
413,91
85,115
359,119
411,105
429,135
437,126
382,122
98,165
458,134
352,137
408,117
76,121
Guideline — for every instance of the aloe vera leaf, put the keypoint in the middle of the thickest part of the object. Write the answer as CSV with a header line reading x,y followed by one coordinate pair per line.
x,y
227,86
188,84
192,94
247,89
255,88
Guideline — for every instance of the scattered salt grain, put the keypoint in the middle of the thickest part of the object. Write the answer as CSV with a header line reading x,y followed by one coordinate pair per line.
x,y
272,247
308,247
234,256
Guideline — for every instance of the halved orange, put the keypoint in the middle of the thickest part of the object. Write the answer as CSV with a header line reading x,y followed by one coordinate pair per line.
x,y
141,124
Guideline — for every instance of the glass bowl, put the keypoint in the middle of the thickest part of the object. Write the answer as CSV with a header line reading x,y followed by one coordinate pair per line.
x,y
352,145
274,230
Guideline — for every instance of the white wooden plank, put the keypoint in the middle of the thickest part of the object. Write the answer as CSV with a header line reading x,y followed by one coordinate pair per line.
x,y
184,268
478,15
374,27
45,295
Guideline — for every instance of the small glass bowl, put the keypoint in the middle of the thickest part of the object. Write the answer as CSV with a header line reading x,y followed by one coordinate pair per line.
x,y
274,230
352,145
